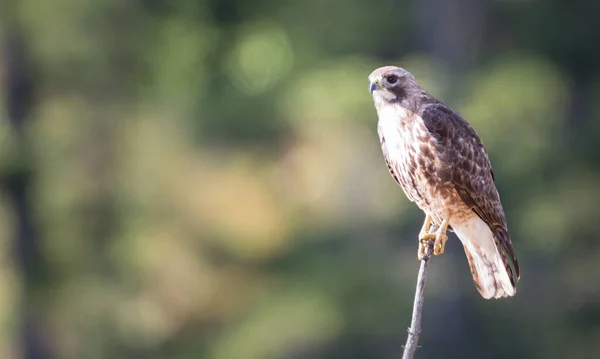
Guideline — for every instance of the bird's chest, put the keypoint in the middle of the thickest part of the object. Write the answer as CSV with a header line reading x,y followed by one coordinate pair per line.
x,y
402,135
404,141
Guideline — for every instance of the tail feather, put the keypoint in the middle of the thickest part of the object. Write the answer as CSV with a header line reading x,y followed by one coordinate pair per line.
x,y
489,278
489,266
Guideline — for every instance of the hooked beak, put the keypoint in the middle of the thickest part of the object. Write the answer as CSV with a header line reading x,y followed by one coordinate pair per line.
x,y
374,86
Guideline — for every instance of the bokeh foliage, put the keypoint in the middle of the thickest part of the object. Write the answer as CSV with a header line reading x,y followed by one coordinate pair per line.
x,y
207,180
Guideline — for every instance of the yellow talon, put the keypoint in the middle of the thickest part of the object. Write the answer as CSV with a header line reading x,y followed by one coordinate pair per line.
x,y
424,243
426,227
425,238
439,237
439,244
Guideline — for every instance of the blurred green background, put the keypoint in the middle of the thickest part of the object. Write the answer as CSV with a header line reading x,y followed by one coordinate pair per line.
x,y
203,179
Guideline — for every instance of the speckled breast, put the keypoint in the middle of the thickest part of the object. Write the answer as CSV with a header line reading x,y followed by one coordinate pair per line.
x,y
415,166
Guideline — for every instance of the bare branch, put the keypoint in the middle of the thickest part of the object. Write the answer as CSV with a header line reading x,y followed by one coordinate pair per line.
x,y
415,325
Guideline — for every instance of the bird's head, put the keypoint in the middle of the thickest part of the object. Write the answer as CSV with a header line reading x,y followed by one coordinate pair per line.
x,y
391,83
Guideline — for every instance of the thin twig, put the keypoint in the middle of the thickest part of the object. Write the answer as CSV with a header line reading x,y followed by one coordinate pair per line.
x,y
415,325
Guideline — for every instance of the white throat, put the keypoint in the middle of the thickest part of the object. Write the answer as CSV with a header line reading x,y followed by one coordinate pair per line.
x,y
391,118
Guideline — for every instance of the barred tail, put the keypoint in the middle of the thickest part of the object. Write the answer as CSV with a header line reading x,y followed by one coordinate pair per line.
x,y
492,274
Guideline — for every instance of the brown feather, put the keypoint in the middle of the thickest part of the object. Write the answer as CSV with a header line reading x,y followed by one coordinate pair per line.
x,y
471,173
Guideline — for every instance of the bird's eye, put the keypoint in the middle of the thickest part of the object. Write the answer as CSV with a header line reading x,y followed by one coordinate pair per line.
x,y
392,79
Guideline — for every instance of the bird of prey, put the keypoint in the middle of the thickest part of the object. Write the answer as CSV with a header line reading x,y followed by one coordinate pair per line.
x,y
440,162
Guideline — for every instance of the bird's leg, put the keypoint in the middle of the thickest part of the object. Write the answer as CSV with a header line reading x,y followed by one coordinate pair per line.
x,y
426,226
425,237
440,236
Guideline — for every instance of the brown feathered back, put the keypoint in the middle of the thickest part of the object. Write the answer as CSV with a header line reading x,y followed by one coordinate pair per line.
x,y
470,172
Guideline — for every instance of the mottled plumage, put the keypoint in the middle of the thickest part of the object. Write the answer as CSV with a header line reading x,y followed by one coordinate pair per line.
x,y
441,164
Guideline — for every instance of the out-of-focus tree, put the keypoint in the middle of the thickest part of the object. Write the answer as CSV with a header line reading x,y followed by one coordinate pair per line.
x,y
203,179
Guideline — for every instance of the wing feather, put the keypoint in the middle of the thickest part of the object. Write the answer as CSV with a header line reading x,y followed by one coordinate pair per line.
x,y
465,164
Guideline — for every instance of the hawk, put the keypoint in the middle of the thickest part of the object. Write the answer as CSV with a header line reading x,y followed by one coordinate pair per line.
x,y
440,162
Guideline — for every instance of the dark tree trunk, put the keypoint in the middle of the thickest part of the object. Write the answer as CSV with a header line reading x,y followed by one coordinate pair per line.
x,y
18,91
451,30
